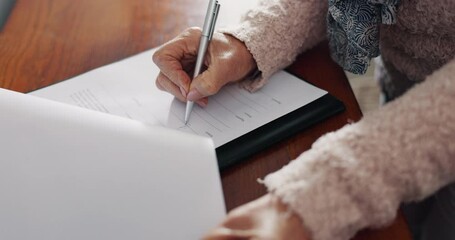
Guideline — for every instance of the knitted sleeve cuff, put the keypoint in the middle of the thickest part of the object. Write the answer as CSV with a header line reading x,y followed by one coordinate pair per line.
x,y
277,31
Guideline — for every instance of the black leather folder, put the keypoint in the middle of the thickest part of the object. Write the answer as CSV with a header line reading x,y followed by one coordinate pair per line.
x,y
277,130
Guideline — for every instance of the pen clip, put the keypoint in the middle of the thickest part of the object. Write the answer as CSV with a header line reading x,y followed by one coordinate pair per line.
x,y
215,16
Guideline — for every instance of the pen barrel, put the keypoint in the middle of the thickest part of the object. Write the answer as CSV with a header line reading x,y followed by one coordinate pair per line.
x,y
203,45
209,17
207,33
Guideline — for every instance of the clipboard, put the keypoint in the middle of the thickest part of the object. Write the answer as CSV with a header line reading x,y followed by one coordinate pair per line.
x,y
278,130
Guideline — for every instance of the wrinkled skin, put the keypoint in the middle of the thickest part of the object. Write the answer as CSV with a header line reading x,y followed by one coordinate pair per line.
x,y
227,60
266,218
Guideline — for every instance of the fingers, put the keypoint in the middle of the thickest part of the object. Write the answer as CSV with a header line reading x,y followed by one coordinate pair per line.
x,y
223,233
173,57
171,67
165,84
227,60
238,225
171,71
206,84
265,218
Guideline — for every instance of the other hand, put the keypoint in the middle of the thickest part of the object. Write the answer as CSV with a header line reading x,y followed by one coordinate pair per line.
x,y
266,218
227,60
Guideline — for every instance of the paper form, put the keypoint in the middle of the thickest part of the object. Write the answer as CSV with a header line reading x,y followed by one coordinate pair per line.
x,y
70,173
127,88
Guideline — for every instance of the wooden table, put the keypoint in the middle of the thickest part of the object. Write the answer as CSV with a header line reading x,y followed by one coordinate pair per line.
x,y
46,41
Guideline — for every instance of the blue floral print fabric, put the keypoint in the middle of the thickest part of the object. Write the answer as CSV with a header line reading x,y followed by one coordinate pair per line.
x,y
353,30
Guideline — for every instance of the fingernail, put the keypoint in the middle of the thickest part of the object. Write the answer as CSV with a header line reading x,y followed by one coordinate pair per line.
x,y
193,95
183,92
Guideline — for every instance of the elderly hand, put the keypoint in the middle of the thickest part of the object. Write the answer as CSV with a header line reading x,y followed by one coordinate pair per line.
x,y
265,218
227,60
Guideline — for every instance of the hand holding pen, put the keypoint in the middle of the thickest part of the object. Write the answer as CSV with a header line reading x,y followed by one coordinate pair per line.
x,y
206,36
226,60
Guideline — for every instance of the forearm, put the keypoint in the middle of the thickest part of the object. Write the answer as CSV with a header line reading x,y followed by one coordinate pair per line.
x,y
278,30
357,177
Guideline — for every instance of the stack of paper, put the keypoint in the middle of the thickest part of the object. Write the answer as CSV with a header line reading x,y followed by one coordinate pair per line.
x,y
71,173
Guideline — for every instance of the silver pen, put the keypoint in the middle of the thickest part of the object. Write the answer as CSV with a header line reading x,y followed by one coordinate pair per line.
x,y
207,33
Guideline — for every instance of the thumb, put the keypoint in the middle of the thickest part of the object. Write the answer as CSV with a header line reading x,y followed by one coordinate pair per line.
x,y
223,233
206,84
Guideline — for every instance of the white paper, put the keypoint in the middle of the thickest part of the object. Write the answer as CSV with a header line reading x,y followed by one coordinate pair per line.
x,y
70,173
127,88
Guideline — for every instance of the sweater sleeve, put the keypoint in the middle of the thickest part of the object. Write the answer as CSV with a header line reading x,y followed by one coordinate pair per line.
x,y
356,177
277,31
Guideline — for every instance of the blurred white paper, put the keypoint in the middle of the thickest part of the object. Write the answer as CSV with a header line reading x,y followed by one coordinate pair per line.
x,y
127,88
71,173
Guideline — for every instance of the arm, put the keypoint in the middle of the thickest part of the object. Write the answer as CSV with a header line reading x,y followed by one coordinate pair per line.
x,y
357,177
269,38
278,30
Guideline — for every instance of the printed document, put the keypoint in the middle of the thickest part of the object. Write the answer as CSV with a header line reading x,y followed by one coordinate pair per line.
x,y
127,88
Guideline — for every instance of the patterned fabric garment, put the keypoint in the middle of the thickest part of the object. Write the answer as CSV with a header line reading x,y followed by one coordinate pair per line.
x,y
353,30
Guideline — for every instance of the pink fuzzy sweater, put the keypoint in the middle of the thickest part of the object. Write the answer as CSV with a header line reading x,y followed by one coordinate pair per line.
x,y
357,176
